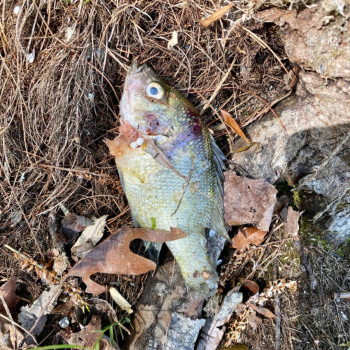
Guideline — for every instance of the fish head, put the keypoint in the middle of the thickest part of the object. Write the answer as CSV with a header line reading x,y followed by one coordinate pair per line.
x,y
153,107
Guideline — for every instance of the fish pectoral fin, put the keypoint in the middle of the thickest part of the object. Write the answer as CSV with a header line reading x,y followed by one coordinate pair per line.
x,y
217,224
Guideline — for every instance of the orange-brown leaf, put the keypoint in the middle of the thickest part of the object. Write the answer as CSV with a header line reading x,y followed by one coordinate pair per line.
x,y
114,255
248,235
215,16
262,310
233,125
8,291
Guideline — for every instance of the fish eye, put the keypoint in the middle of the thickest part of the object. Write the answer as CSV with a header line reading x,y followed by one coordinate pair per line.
x,y
155,90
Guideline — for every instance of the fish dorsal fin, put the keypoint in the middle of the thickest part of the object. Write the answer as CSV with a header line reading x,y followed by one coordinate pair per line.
x,y
217,223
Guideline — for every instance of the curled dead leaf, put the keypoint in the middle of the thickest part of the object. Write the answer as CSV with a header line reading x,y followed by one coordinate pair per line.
x,y
248,235
120,300
114,255
248,201
228,119
89,238
73,224
8,291
291,219
215,16
249,287
262,310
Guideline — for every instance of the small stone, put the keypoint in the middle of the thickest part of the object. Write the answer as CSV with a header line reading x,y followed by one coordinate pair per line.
x,y
64,323
16,10
133,145
140,141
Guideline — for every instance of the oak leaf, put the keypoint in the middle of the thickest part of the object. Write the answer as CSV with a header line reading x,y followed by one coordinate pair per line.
x,y
114,255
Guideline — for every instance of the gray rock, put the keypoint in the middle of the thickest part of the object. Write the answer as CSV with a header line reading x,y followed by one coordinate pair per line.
x,y
314,152
317,37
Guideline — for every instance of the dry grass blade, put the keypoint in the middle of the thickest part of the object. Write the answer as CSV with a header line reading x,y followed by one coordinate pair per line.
x,y
215,16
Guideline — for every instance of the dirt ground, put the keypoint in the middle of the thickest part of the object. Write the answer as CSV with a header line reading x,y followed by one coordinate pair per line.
x,y
62,69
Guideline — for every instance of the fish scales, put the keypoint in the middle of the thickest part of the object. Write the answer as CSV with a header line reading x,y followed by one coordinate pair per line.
x,y
187,195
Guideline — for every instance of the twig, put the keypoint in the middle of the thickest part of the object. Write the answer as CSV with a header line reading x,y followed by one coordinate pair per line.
x,y
278,342
341,295
218,87
82,171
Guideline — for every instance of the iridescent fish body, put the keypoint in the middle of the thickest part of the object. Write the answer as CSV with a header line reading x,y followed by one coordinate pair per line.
x,y
171,171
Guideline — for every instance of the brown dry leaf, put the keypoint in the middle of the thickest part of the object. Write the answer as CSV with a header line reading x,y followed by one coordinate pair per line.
x,y
228,119
292,222
86,337
114,255
8,291
248,235
89,238
235,347
248,201
262,310
73,224
215,16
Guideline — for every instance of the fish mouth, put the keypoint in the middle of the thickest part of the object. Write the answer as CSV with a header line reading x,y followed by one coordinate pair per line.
x,y
135,68
146,71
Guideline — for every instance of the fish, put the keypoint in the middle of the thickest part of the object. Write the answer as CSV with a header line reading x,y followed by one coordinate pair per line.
x,y
171,171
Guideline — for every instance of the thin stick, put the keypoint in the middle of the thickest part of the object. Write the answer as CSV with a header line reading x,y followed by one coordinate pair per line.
x,y
218,87
278,342
83,171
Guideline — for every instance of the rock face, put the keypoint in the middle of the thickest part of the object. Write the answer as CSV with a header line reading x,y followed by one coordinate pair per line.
x,y
317,37
314,152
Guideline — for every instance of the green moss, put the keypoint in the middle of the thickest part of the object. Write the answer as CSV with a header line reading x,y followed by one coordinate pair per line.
x,y
284,188
311,235
344,249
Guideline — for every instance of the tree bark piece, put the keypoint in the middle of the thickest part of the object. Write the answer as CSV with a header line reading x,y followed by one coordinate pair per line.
x,y
211,334
167,316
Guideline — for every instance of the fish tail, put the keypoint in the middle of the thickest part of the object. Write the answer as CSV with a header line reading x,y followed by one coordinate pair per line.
x,y
197,270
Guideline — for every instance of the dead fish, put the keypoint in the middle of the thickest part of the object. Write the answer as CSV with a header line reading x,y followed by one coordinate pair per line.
x,y
171,171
